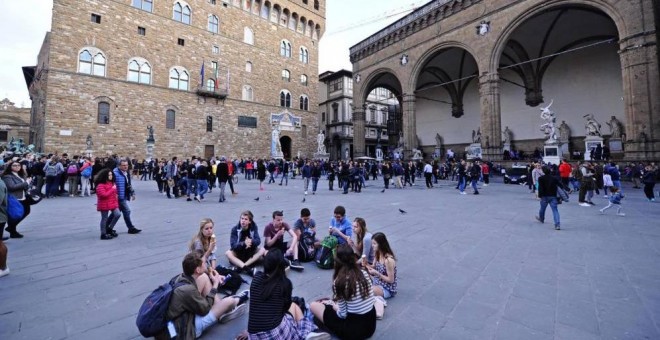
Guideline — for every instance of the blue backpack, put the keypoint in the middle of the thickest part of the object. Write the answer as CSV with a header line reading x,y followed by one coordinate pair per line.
x,y
87,172
152,317
15,209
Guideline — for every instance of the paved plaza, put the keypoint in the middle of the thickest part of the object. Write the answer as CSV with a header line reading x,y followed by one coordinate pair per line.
x,y
470,267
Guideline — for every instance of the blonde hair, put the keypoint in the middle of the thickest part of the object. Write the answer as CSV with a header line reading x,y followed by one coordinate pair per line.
x,y
206,241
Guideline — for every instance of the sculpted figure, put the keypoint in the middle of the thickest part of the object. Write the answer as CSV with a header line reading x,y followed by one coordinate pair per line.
x,y
320,139
476,136
438,141
564,132
592,127
615,128
548,127
506,136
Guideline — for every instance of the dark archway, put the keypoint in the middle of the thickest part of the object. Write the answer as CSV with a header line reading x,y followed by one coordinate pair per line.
x,y
384,91
285,141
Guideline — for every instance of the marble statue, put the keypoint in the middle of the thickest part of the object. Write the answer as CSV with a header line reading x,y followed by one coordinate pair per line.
x,y
548,127
438,141
506,136
89,141
564,132
275,146
417,154
476,136
150,137
615,128
320,139
592,127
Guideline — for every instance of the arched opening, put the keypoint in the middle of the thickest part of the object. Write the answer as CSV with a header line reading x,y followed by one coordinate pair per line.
x,y
285,141
383,124
566,54
447,97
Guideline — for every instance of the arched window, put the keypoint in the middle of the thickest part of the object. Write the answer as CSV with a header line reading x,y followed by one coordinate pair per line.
x,y
265,10
303,79
248,36
275,14
304,55
285,98
181,12
179,78
91,61
103,116
316,4
284,17
248,67
285,49
170,119
247,93
210,85
304,2
139,71
293,23
286,75
213,24
304,103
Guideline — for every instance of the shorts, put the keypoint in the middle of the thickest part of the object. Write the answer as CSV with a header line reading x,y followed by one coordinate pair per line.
x,y
386,293
245,254
204,322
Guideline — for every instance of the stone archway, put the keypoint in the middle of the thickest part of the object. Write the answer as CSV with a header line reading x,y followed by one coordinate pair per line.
x,y
286,143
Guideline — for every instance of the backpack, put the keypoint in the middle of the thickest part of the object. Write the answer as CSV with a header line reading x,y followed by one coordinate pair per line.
x,y
231,286
152,317
51,170
325,256
72,169
306,249
577,173
15,209
87,172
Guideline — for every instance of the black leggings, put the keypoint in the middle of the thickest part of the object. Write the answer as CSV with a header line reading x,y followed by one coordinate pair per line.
x,y
11,225
648,190
354,327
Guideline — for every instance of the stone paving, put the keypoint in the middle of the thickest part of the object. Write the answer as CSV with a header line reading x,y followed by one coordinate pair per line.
x,y
470,267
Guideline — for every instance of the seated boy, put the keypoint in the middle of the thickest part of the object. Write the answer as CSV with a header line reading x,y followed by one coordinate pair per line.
x,y
274,238
244,244
306,224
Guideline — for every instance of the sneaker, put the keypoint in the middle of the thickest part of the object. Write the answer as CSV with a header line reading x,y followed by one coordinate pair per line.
x,y
585,204
106,237
111,232
557,227
605,196
134,230
189,199
305,192
621,214
463,193
538,219
318,336
295,265
197,199
591,203
4,272
233,314
243,297
250,271
652,199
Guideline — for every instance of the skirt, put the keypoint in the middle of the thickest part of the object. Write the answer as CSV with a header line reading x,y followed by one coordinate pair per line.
x,y
288,329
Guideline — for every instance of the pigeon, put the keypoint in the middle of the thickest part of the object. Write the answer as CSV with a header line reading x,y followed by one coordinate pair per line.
x,y
382,190
403,211
257,199
304,199
268,197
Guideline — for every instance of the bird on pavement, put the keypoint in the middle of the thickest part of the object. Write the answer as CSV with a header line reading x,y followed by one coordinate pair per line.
x,y
257,199
403,211
382,190
304,199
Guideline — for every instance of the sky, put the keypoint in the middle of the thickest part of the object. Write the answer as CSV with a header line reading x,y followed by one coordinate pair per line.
x,y
24,23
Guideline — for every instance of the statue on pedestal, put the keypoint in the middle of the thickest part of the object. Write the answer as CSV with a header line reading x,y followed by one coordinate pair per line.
x,y
275,146
615,128
592,127
89,142
506,136
417,154
564,132
438,141
548,127
320,139
150,137
476,136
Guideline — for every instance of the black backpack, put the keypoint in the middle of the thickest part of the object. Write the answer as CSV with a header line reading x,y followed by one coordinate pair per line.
x,y
306,249
231,286
325,256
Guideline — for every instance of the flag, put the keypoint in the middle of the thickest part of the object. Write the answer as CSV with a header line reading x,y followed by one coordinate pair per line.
x,y
202,74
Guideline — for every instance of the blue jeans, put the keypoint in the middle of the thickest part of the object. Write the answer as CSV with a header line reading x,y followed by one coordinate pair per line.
x,y
617,184
285,176
126,212
474,184
190,186
461,184
315,182
202,187
545,200
51,186
109,223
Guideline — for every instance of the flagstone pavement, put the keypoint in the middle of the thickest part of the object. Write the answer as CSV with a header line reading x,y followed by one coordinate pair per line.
x,y
470,267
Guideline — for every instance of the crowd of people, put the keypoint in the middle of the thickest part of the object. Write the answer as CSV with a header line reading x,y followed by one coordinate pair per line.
x,y
365,275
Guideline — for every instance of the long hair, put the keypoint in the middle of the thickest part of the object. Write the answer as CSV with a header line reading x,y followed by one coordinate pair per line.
x,y
360,235
274,266
102,176
383,246
206,241
8,170
349,280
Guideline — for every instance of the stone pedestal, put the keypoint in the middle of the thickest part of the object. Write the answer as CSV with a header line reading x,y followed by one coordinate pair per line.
x,y
150,150
616,145
89,153
322,156
552,153
563,148
473,151
589,143
506,147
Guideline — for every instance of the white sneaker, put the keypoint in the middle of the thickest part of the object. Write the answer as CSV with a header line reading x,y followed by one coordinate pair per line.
x,y
4,272
585,204
305,192
463,193
233,314
621,214
318,336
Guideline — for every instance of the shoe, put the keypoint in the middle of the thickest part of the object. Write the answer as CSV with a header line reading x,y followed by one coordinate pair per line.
x,y
295,265
538,219
134,230
4,272
318,336
233,314
189,199
243,297
234,193
591,203
250,271
106,237
197,199
5,238
585,204
305,192
557,227
463,193
652,200
111,232
15,234
605,196
475,193
621,214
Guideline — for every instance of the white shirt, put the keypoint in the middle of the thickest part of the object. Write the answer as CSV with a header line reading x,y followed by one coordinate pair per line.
x,y
428,168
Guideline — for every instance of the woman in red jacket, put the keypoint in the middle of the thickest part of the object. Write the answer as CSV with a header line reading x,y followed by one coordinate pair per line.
x,y
107,203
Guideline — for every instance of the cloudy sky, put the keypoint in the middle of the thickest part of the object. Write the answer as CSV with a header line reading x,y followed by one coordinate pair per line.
x,y
24,23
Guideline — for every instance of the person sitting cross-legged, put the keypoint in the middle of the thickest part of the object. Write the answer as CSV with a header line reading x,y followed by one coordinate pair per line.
x,y
274,239
244,242
195,306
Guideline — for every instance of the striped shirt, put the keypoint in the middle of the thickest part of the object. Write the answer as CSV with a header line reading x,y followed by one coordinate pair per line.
x,y
356,305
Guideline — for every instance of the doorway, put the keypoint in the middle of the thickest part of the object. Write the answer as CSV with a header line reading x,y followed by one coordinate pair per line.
x,y
285,141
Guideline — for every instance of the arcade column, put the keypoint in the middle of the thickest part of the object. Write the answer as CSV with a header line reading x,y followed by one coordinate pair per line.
x,y
409,125
358,131
491,125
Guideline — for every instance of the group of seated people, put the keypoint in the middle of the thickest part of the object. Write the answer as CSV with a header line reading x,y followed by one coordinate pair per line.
x,y
364,275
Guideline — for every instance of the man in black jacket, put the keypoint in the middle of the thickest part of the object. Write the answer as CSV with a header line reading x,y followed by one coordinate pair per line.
x,y
548,195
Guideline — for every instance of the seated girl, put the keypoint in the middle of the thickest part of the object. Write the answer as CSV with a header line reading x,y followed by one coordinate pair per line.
x,y
362,244
204,242
351,313
384,267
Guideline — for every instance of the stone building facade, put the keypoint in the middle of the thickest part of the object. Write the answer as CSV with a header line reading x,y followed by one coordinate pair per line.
x,y
14,122
335,115
207,75
463,65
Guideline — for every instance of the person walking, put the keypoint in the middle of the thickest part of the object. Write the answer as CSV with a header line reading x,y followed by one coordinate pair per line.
x,y
17,183
107,203
428,172
547,189
649,179
4,270
125,193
